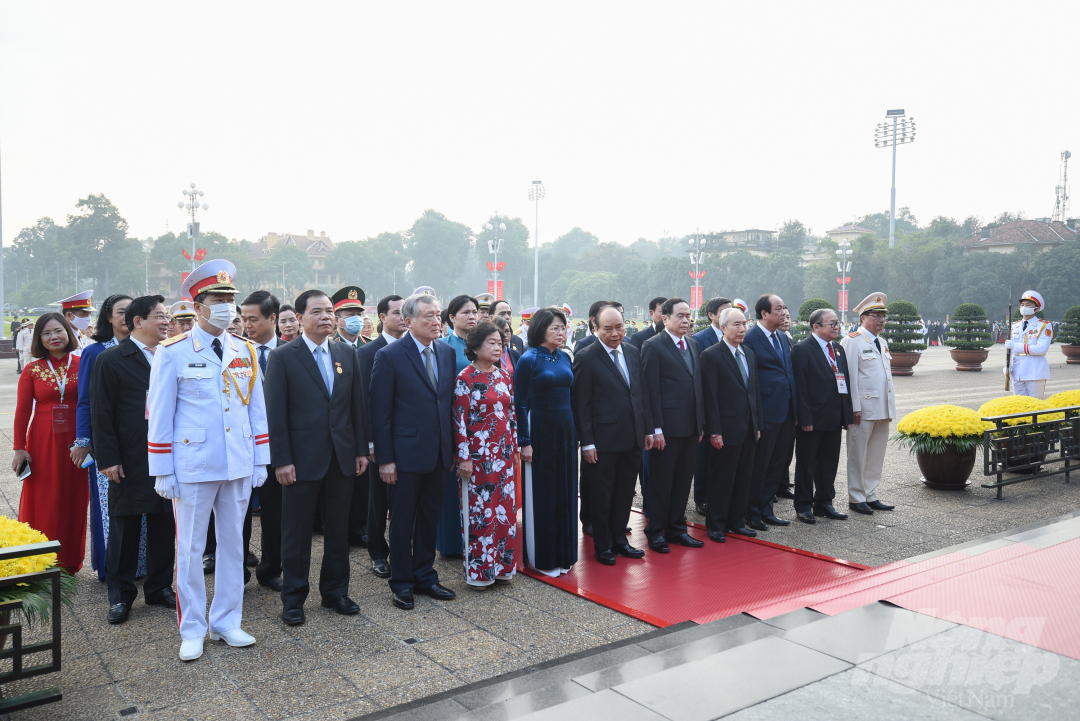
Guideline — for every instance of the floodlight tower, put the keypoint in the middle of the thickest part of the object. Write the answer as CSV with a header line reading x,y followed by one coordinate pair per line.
x,y
902,131
1061,202
192,205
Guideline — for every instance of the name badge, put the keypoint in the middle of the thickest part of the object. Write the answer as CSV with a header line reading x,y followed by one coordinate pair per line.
x,y
841,383
61,418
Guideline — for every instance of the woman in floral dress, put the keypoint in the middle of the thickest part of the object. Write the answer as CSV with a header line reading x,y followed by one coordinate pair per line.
x,y
485,434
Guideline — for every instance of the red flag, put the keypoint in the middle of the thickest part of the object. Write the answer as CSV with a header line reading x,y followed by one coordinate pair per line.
x,y
184,252
490,266
200,253
501,264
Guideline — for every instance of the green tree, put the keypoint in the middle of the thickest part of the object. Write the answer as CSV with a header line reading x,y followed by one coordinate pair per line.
x,y
298,268
439,249
793,236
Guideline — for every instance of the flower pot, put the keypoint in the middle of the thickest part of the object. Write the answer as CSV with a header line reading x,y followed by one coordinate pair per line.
x,y
969,360
1033,449
947,471
1072,353
903,363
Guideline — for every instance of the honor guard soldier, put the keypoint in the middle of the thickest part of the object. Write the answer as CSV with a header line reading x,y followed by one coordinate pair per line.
x,y
484,310
349,311
1029,340
873,404
181,317
208,447
77,310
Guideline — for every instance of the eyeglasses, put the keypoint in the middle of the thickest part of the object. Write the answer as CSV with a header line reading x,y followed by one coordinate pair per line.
x,y
834,324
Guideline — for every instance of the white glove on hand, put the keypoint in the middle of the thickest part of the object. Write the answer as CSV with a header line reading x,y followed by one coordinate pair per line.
x,y
166,486
258,477
1009,344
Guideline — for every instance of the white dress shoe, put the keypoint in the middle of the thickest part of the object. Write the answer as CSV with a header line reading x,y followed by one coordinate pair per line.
x,y
191,649
236,638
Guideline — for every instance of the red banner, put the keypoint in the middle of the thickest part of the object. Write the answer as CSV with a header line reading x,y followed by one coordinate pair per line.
x,y
843,300
695,297
497,293
183,276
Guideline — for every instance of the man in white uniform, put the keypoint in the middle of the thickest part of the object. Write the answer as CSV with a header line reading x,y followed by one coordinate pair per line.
x,y
77,309
23,343
208,447
1029,340
873,403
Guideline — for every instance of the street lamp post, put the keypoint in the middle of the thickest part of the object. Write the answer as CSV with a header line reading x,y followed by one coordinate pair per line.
x,y
697,256
192,205
843,266
902,131
536,194
494,246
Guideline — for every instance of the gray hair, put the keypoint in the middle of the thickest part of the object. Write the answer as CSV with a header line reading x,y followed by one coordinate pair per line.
x,y
818,316
411,307
726,313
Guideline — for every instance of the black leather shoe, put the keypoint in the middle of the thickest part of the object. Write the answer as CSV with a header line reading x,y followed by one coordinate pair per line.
x,y
166,599
119,613
757,525
208,564
628,530
785,493
717,536
774,521
702,508
685,539
380,567
742,532
587,529
862,508
807,517
606,557
274,584
342,604
826,509
659,544
293,616
629,551
250,559
403,599
439,592
879,506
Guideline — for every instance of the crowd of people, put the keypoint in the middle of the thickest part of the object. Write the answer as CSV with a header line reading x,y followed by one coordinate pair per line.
x,y
439,443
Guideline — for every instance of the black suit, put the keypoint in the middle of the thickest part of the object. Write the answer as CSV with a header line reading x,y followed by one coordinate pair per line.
x,y
821,405
675,396
641,336
269,498
320,434
377,507
118,388
516,344
732,411
614,417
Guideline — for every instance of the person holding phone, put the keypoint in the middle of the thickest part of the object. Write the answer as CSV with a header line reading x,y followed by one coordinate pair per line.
x,y
55,496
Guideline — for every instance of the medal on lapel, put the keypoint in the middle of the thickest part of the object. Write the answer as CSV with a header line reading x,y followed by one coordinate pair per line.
x,y
337,367
246,367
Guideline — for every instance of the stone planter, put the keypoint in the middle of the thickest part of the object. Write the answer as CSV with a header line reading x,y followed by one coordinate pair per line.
x,y
947,471
903,363
969,360
1072,353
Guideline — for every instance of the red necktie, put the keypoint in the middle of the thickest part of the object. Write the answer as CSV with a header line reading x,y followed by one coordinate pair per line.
x,y
831,355
681,346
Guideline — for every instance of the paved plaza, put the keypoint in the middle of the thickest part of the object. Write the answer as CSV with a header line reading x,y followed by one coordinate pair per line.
x,y
337,667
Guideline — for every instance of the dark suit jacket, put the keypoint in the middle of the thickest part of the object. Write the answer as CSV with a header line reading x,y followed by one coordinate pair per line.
x,y
674,392
411,422
366,355
118,387
820,404
731,409
777,383
642,335
584,343
706,339
609,414
517,344
306,424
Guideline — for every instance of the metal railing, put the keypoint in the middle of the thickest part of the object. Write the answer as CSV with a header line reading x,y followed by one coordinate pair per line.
x,y
1023,450
17,651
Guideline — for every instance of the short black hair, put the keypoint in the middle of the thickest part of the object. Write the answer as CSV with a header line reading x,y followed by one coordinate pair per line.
x,y
141,307
713,306
457,304
302,299
495,304
539,324
268,304
616,304
384,305
594,311
669,305
763,305
658,300
476,337
104,330
818,316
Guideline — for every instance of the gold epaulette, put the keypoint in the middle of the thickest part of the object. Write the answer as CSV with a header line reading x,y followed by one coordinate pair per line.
x,y
169,341
854,334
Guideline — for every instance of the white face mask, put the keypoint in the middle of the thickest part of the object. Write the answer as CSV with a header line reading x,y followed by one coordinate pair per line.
x,y
1026,311
221,315
80,323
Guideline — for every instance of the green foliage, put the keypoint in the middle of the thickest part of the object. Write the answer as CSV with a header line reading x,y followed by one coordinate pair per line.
x,y
36,598
902,327
439,249
1070,327
801,328
926,443
969,329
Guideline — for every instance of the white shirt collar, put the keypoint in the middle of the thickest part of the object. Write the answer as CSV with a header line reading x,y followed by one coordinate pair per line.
x,y
419,346
719,333
675,337
389,338
271,344
862,329
325,345
823,343
733,348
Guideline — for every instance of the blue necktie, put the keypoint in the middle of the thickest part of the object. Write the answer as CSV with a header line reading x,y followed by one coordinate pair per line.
x,y
262,359
322,367
776,345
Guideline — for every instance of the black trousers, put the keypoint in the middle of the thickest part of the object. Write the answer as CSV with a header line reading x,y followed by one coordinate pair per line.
x,y
586,481
415,509
730,477
122,556
768,471
299,506
817,454
358,511
377,510
671,472
270,521
211,534
612,495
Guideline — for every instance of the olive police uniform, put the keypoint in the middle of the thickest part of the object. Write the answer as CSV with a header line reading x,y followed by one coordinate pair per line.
x,y
351,296
871,388
1030,340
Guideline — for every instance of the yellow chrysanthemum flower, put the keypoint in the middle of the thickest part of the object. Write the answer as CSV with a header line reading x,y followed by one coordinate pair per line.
x,y
1007,405
13,533
943,422
1065,399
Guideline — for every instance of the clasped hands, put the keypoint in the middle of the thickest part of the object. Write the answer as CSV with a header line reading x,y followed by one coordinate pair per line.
x,y
286,475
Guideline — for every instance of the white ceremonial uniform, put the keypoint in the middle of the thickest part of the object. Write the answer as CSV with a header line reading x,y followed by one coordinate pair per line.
x,y
202,431
871,387
1030,369
23,343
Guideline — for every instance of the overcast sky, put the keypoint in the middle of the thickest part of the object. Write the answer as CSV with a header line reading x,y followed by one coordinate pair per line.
x,y
640,118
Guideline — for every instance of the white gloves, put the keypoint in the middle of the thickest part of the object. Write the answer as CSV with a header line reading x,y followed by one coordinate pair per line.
x,y
1009,344
167,486
258,477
